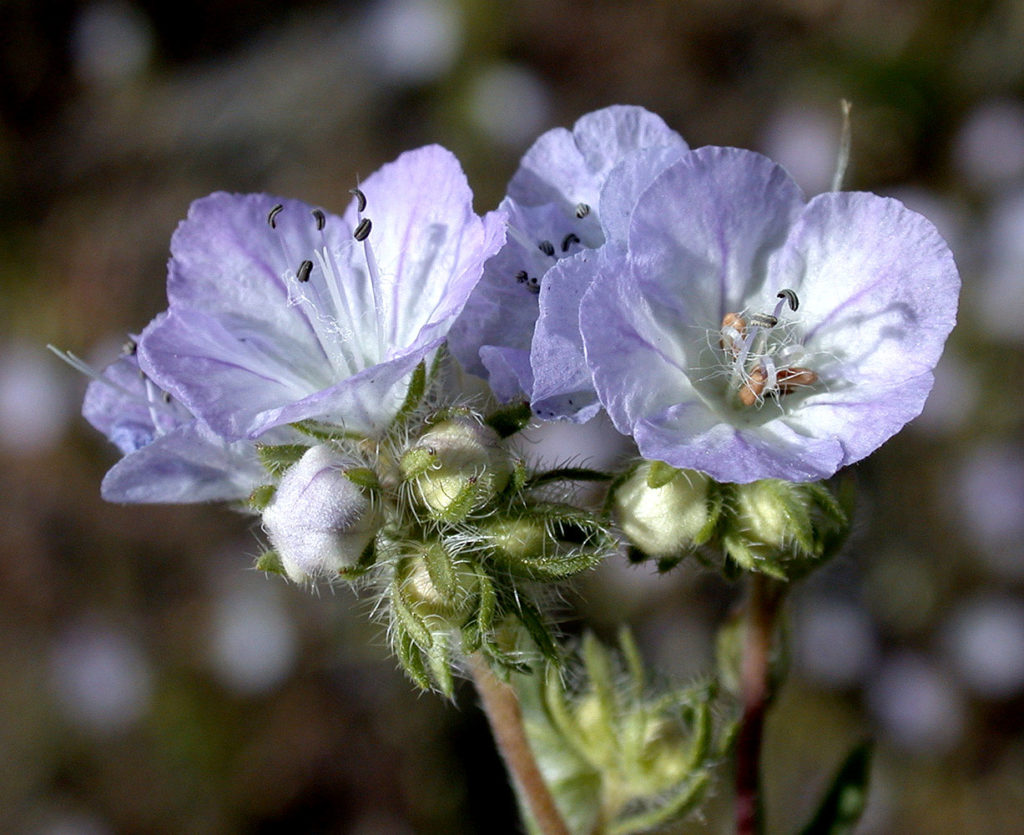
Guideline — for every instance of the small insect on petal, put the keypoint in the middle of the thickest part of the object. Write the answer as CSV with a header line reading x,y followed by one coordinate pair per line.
x,y
753,388
272,217
791,379
582,210
546,247
305,268
321,219
360,198
569,240
363,229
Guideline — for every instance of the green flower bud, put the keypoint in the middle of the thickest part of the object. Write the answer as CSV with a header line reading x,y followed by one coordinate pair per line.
x,y
664,512
434,584
782,528
457,467
320,522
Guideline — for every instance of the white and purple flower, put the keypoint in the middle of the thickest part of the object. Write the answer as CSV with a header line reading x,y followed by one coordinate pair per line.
x,y
744,332
555,210
281,313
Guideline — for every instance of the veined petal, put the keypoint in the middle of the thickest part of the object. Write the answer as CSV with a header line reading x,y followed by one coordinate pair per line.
x,y
188,464
690,436
707,226
508,370
563,386
570,167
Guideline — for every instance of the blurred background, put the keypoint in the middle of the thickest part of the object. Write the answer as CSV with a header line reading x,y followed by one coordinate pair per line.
x,y
152,682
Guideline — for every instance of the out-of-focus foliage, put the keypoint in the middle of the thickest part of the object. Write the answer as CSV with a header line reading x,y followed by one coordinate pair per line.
x,y
154,683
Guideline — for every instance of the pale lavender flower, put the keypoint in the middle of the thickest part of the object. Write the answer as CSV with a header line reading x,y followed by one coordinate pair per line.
x,y
839,310
169,455
555,210
281,313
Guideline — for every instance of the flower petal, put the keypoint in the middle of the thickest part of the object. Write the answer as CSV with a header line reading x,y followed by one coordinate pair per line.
x,y
707,226
570,167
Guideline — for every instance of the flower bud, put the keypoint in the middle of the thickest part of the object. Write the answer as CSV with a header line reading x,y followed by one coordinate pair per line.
x,y
663,514
320,521
457,467
434,584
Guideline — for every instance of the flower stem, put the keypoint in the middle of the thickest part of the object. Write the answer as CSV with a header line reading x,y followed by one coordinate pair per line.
x,y
501,705
763,604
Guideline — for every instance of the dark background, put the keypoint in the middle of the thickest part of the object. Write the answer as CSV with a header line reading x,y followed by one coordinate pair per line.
x,y
151,682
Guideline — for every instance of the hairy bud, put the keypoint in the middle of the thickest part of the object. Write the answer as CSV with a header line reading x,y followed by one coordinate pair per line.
x,y
320,521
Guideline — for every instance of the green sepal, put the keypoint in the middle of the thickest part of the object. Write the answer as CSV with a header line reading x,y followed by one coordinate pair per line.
x,y
277,458
260,497
410,658
440,569
363,477
677,804
461,506
270,562
520,475
567,474
531,618
365,562
440,660
844,802
505,661
417,461
488,606
323,431
660,474
716,501
411,623
510,419
414,396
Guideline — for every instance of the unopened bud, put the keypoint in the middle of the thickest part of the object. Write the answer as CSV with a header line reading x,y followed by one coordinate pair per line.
x,y
457,467
320,521
434,583
668,519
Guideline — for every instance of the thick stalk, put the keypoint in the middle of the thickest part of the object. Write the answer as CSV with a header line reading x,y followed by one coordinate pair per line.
x,y
762,606
501,705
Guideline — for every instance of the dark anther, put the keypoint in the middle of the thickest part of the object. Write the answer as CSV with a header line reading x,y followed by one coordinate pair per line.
x,y
546,247
521,276
305,268
363,230
790,297
360,198
569,240
582,210
321,219
129,348
272,217
167,397
533,284
763,320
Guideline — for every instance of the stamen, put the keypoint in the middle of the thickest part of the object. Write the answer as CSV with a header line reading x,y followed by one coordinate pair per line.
x,y
363,229
305,268
569,240
521,276
272,217
533,284
763,320
582,210
360,198
321,219
547,248
789,296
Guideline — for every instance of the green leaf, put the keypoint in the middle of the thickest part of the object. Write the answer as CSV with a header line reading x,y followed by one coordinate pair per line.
x,y
363,477
846,798
510,419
